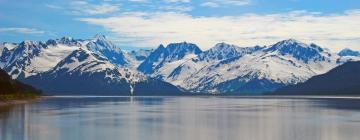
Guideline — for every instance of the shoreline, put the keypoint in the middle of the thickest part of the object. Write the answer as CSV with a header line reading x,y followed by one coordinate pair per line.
x,y
20,101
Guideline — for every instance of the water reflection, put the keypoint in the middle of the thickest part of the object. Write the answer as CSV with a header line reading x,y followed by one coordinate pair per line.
x,y
182,118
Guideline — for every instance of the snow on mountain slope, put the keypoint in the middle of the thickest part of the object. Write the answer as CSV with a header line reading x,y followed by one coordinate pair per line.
x,y
167,58
135,58
225,68
7,45
33,57
49,57
101,45
84,72
5,53
222,51
85,62
193,66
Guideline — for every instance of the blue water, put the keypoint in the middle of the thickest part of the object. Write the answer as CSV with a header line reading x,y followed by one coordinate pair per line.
x,y
183,118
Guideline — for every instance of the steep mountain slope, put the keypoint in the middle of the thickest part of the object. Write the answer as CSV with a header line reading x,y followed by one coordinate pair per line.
x,y
70,66
342,80
101,45
10,86
135,58
84,72
81,72
162,59
32,57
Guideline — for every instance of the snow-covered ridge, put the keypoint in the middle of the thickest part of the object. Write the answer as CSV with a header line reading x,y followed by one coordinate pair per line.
x,y
225,68
32,57
229,68
165,57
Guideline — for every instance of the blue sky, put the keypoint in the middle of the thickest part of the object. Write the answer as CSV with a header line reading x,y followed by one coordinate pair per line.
x,y
147,23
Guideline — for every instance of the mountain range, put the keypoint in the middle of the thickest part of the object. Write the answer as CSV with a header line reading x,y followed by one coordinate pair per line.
x,y
98,67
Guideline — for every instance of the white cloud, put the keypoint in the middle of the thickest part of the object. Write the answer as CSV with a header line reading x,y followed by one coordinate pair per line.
x,y
81,7
334,31
177,1
210,4
180,8
138,0
85,8
219,3
235,2
53,6
22,30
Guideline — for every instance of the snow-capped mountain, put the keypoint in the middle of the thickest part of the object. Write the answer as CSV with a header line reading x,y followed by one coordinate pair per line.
x,y
135,58
163,59
32,57
348,52
86,72
100,44
231,69
223,51
97,66
69,66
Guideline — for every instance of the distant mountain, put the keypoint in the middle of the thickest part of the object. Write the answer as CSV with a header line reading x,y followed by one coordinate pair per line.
x,y
97,66
348,52
84,72
10,86
32,57
342,80
135,58
229,69
223,51
70,66
100,44
164,57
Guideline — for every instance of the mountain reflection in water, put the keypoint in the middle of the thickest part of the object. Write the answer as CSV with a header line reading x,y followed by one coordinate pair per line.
x,y
182,118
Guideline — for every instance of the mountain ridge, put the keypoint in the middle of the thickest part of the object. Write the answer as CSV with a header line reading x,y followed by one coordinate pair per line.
x,y
222,69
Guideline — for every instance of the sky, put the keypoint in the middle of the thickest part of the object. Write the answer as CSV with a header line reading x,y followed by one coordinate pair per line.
x,y
134,24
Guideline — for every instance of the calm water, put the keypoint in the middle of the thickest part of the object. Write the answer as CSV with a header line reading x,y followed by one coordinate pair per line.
x,y
182,118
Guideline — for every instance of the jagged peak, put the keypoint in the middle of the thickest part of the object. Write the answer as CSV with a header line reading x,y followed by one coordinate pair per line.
x,y
100,37
29,43
183,46
298,50
223,45
51,42
103,41
161,46
66,38
184,43
289,44
348,52
290,41
6,43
